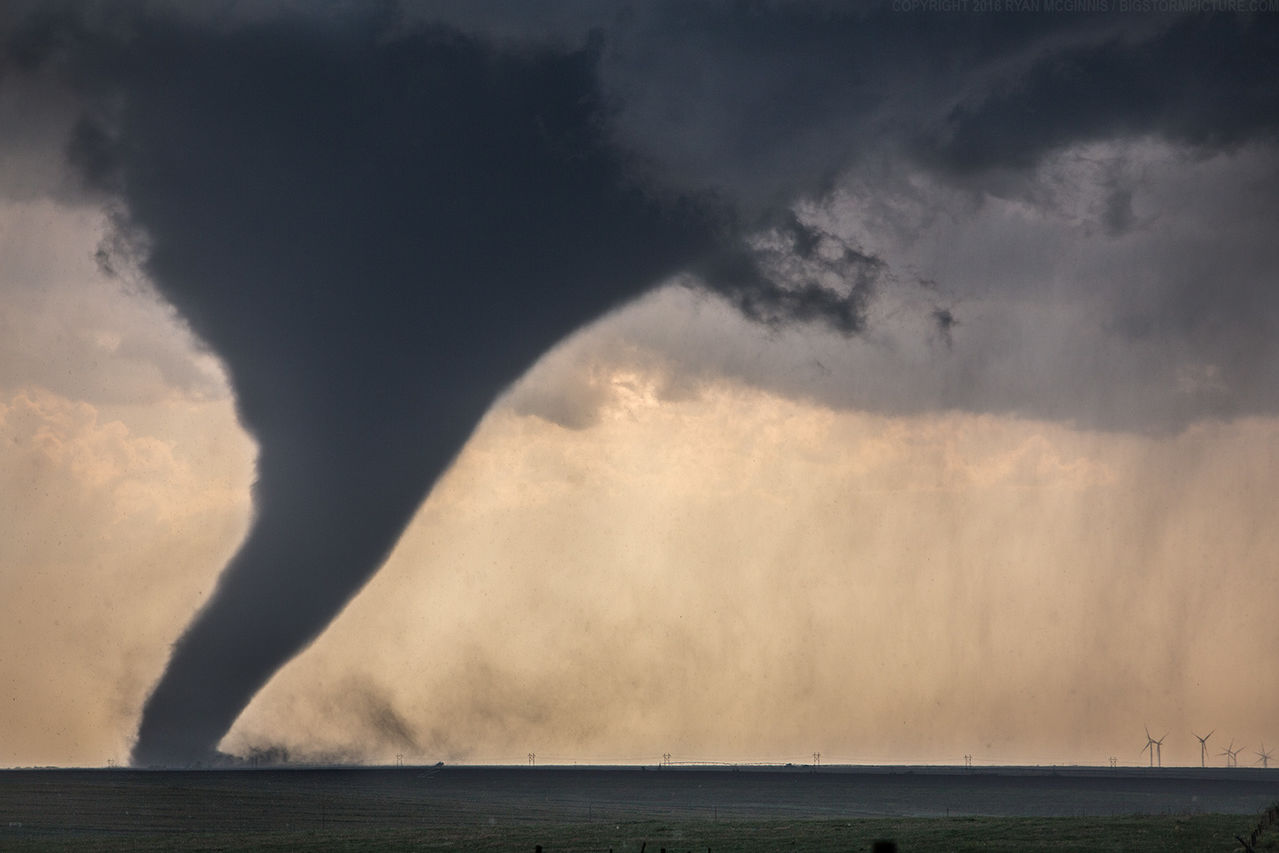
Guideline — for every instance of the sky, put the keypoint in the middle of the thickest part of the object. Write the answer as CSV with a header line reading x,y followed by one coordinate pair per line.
x,y
733,381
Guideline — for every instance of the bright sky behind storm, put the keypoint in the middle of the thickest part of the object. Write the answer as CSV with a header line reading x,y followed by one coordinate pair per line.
x,y
931,410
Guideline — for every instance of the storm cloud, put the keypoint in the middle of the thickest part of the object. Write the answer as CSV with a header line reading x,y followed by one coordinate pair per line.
x,y
379,219
344,219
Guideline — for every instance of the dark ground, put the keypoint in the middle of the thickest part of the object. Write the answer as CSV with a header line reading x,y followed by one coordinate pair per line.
x,y
485,808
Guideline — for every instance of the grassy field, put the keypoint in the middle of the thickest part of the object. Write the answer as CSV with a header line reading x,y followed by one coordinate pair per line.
x,y
1193,834
502,810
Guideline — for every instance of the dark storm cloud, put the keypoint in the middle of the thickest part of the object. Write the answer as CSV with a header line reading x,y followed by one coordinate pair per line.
x,y
947,117
945,322
376,235
766,100
378,221
1208,80
795,272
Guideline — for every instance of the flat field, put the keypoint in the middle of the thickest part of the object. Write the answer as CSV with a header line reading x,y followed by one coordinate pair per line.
x,y
625,809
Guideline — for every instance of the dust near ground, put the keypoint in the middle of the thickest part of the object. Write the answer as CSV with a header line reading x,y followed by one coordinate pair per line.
x,y
476,808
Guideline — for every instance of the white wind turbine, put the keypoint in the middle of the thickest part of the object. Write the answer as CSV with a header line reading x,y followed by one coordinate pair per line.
x,y
1203,747
1150,744
1263,757
1232,754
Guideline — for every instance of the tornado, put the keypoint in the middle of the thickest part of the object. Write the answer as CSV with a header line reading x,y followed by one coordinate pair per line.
x,y
376,230
377,223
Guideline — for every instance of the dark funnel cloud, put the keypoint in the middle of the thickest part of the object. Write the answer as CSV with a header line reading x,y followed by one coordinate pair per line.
x,y
376,232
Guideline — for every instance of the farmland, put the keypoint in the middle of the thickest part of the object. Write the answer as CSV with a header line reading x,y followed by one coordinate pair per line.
x,y
569,808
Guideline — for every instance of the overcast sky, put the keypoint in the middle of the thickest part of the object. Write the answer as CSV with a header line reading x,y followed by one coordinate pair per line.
x,y
893,384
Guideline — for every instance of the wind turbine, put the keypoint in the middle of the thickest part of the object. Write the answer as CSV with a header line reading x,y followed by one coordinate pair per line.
x,y
1203,747
1159,749
1263,757
1232,759
1150,744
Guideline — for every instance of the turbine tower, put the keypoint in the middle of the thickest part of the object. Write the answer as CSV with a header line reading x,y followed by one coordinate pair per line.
x,y
1203,748
1159,744
1263,757
1232,754
1150,744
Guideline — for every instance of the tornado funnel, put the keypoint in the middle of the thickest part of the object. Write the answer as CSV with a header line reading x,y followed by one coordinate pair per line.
x,y
376,232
